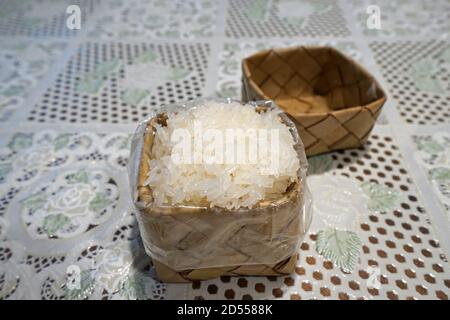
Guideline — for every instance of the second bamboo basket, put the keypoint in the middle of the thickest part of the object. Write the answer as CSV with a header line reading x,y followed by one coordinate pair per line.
x,y
333,100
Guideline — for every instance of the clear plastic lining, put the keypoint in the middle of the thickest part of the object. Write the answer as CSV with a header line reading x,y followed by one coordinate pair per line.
x,y
188,237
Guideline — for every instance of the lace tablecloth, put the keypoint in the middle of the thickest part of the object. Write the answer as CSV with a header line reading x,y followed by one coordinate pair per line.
x,y
70,100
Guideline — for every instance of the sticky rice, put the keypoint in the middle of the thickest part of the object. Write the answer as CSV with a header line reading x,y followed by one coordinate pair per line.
x,y
191,166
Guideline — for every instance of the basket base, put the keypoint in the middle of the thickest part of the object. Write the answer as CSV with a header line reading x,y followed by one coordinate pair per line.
x,y
166,274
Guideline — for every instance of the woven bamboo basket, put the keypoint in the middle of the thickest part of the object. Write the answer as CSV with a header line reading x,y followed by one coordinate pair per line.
x,y
333,100
234,243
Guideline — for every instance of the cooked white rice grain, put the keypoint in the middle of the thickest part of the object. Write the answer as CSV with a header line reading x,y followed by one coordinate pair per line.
x,y
226,185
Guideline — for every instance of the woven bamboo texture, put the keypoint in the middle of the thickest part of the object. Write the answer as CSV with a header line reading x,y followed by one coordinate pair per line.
x,y
258,241
333,100
282,268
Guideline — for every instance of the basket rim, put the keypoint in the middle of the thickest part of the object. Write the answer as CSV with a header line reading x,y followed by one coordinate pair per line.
x,y
246,74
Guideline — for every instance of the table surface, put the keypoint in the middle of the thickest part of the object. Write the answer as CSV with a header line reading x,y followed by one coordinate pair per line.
x,y
70,101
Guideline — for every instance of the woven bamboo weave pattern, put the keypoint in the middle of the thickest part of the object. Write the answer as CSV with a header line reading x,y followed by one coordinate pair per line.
x,y
259,241
333,100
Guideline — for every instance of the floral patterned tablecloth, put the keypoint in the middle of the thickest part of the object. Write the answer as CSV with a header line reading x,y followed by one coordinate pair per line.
x,y
70,101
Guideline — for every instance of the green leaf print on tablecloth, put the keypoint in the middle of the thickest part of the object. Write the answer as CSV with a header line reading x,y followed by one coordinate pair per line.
x,y
22,65
61,141
90,84
424,67
21,141
445,55
340,246
440,175
99,202
145,75
71,203
54,222
13,90
382,198
339,206
10,8
134,95
174,19
433,154
178,73
86,287
429,84
429,145
148,56
78,177
291,11
297,13
5,168
93,81
134,286
228,90
35,201
106,68
423,73
258,9
319,164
